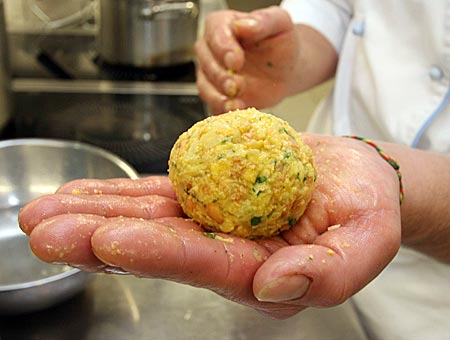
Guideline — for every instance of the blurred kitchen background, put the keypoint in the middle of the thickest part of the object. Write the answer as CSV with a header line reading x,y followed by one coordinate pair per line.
x,y
118,74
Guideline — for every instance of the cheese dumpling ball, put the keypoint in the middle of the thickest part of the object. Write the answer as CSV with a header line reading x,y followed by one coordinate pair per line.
x,y
244,172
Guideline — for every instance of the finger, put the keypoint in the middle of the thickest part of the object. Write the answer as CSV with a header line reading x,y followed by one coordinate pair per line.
x,y
220,38
227,31
272,244
225,82
218,103
210,95
262,24
216,73
151,249
336,266
179,222
153,185
146,207
235,104
67,239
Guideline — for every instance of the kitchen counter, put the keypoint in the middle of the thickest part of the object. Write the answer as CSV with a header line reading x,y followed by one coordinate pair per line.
x,y
126,307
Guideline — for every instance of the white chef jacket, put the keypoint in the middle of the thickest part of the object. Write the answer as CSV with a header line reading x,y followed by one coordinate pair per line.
x,y
392,84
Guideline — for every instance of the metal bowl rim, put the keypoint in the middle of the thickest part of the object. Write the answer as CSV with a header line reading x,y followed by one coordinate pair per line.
x,y
127,168
40,282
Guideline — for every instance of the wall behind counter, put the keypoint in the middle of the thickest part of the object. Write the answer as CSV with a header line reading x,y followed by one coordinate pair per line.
x,y
298,109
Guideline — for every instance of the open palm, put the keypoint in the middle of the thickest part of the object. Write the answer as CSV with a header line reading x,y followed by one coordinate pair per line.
x,y
348,234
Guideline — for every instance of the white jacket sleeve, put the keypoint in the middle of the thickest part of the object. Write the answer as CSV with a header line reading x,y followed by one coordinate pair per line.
x,y
329,17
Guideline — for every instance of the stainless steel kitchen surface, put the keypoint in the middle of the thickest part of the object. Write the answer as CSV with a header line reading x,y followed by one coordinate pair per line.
x,y
130,120
124,307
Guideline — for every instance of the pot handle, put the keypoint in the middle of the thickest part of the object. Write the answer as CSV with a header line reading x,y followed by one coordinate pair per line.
x,y
189,8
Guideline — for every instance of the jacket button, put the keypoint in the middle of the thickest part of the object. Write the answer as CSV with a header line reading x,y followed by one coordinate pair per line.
x,y
436,73
359,29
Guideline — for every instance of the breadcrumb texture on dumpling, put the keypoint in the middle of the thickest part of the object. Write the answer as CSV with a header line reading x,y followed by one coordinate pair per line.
x,y
244,172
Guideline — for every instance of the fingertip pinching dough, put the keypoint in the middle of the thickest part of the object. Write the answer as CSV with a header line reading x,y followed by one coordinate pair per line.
x,y
244,172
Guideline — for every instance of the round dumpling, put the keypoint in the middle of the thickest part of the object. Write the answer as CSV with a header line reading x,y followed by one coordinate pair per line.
x,y
244,172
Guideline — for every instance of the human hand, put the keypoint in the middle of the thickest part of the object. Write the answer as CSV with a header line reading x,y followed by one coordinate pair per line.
x,y
348,234
246,59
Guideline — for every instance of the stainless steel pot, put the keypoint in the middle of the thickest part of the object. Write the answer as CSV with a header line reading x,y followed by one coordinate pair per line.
x,y
147,33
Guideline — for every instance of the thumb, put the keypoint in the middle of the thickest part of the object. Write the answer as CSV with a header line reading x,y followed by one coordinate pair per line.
x,y
297,273
261,24
326,273
228,33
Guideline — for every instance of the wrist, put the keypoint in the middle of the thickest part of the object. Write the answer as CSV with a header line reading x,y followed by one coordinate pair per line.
x,y
425,215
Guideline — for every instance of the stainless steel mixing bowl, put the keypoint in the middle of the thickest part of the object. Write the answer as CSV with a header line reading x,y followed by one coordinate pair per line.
x,y
30,168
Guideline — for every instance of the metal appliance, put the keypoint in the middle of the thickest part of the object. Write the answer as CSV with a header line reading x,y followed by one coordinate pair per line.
x,y
147,33
63,88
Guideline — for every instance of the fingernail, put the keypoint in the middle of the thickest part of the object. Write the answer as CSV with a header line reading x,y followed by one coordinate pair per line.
x,y
246,22
229,60
230,88
284,288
